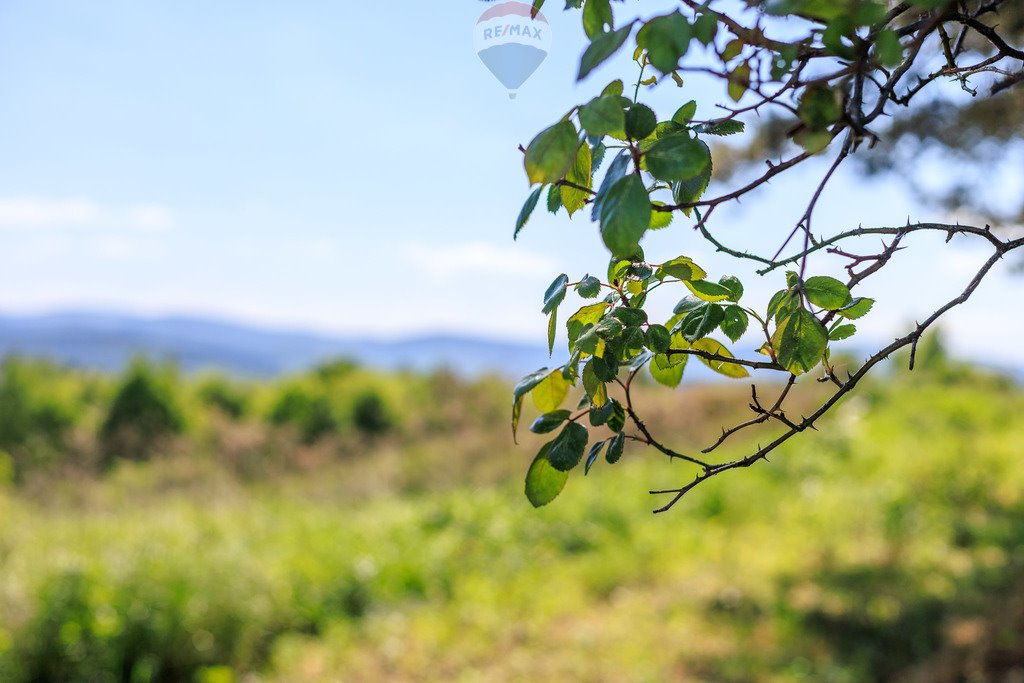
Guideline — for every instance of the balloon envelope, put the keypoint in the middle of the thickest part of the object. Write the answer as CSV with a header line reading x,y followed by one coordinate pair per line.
x,y
511,43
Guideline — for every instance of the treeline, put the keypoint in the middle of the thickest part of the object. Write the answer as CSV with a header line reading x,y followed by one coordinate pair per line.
x,y
55,419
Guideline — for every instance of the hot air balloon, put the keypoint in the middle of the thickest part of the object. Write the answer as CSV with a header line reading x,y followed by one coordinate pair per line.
x,y
511,43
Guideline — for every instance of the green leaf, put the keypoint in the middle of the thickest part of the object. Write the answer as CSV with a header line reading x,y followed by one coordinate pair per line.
x,y
551,154
578,321
858,308
681,267
625,215
595,388
686,305
841,332
658,338
631,317
706,27
597,153
597,15
782,304
812,141
601,48
632,343
666,39
735,323
550,392
525,385
589,287
616,171
527,211
567,448
739,81
640,122
604,116
617,422
549,422
579,174
818,107
555,293
701,322
554,199
826,292
606,368
614,88
544,482
722,128
667,370
685,113
832,37
592,455
616,445
678,157
799,342
608,327
552,328
732,50
599,416
571,370
734,285
776,301
708,291
660,219
888,48
722,367
690,191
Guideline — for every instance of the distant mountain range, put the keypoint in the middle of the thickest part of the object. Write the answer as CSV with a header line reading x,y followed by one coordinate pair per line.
x,y
108,342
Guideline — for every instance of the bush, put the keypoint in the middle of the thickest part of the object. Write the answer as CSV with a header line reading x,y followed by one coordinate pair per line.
x,y
219,393
370,414
310,414
33,425
141,416
25,413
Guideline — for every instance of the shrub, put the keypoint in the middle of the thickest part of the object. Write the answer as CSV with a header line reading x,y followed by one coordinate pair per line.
x,y
370,414
219,393
141,416
309,413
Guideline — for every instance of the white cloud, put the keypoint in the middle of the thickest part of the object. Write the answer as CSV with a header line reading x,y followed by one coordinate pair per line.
x,y
477,258
33,213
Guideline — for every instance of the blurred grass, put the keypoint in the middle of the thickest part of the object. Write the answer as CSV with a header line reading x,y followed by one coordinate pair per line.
x,y
865,552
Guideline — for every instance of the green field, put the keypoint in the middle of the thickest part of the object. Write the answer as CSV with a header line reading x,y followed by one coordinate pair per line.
x,y
885,547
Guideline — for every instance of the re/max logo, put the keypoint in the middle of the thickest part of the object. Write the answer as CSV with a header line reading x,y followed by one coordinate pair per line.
x,y
512,30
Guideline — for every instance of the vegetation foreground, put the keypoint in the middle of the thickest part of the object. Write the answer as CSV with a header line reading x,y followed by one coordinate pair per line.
x,y
887,548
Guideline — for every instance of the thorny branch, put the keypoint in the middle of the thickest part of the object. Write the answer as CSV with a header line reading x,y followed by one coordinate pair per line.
x,y
862,107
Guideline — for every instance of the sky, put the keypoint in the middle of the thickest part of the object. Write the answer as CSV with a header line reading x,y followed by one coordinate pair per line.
x,y
353,168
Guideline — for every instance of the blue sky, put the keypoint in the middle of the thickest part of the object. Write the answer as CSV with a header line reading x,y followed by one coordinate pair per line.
x,y
345,167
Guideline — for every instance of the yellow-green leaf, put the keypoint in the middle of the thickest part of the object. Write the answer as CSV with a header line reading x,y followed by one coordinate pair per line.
x,y
572,199
551,154
550,392
722,367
